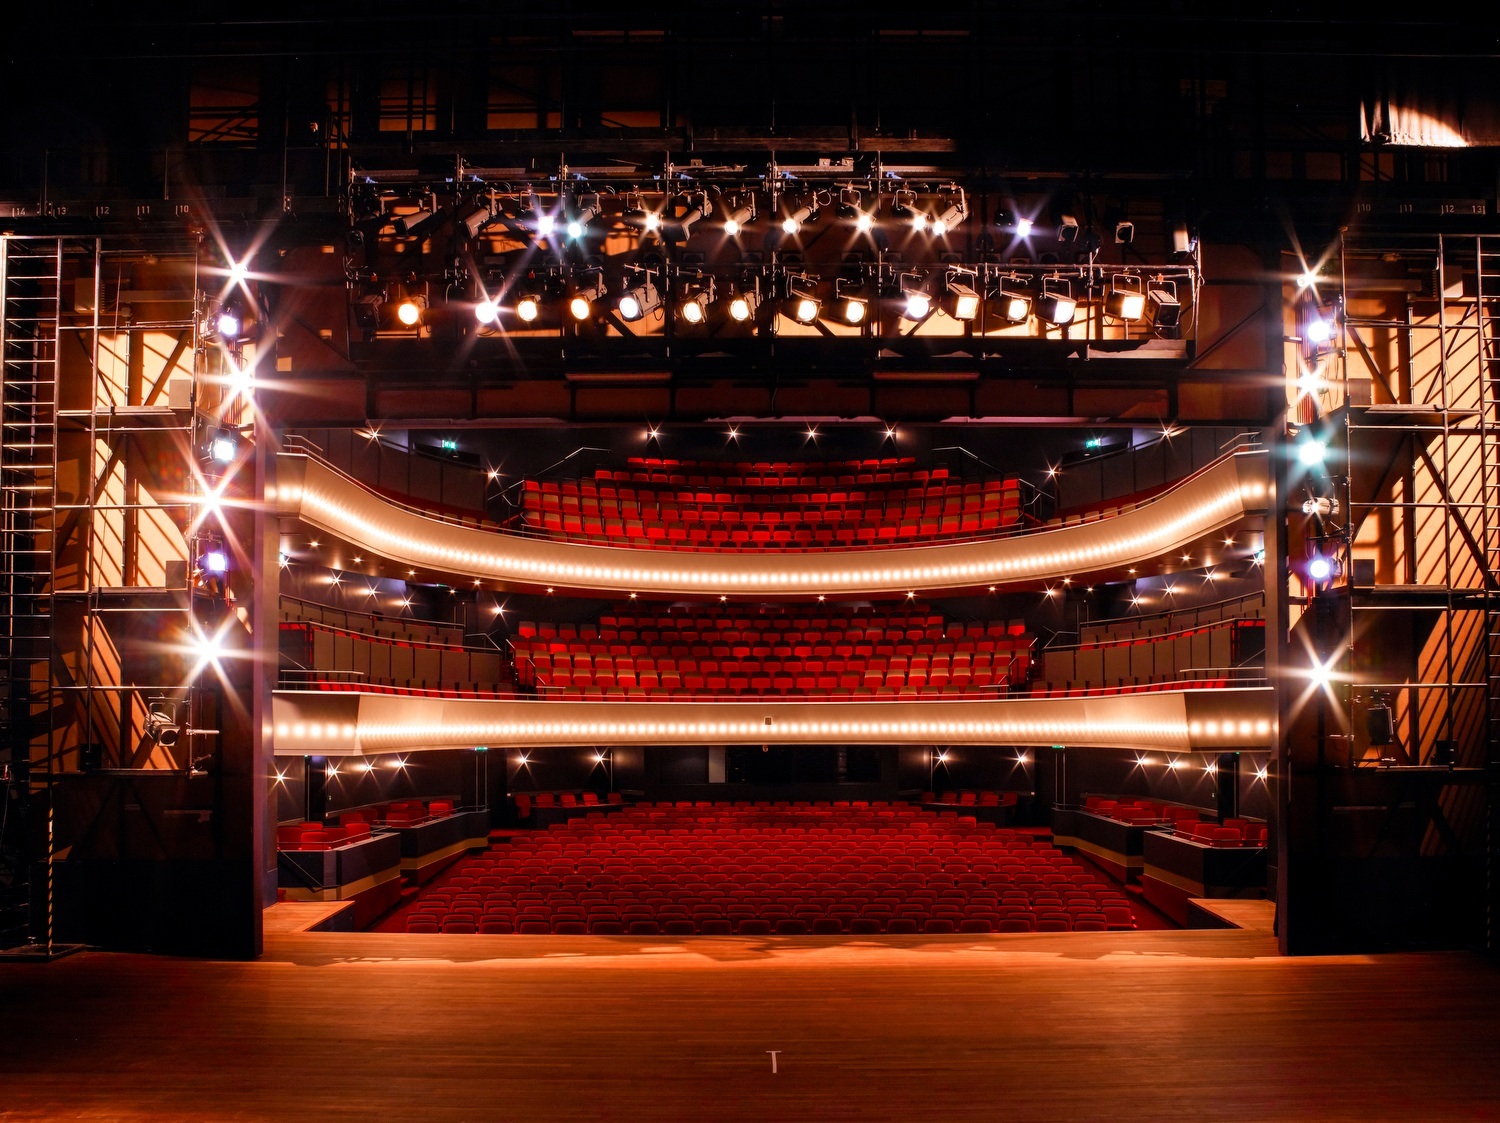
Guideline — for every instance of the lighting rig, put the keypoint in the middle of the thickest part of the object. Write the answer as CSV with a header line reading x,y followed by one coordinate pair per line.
x,y
723,250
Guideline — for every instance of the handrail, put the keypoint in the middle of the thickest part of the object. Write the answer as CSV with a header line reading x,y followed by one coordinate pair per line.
x,y
403,620
495,650
1169,612
505,491
1123,641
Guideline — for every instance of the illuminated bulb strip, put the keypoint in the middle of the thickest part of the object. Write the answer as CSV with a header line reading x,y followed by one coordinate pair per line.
x,y
1158,721
1206,503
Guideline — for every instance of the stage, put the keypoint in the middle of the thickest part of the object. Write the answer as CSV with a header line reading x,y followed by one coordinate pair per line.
x,y
1209,1024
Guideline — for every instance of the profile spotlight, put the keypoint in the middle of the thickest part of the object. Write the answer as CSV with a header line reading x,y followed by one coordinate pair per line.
x,y
414,223
1320,507
588,288
161,722
638,300
588,210
802,305
1055,304
793,222
409,311
961,301
950,218
477,220
738,219
1126,300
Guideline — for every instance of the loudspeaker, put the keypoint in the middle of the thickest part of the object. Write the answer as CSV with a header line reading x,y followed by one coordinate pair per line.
x,y
1378,723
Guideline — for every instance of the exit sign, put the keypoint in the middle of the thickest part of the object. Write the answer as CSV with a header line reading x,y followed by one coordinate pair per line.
x,y
448,446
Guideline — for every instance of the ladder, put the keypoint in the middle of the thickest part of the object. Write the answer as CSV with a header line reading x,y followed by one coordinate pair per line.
x,y
1487,281
30,309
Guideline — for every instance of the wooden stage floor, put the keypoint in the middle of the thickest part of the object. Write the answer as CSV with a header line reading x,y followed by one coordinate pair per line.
x,y
1196,1025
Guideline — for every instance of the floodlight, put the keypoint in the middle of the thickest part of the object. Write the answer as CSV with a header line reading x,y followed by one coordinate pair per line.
x,y
850,310
743,305
1162,307
1012,301
802,305
1125,300
1055,304
693,307
223,447
918,304
486,311
962,302
528,308
409,311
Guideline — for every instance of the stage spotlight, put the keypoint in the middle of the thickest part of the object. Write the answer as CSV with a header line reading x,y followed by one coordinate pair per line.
x,y
161,722
917,304
588,287
802,305
1320,507
476,220
961,301
223,446
1055,304
738,219
1125,300
588,210
950,218
693,307
1067,229
1162,308
215,562
409,224
1124,233
638,300
850,310
904,203
1311,453
1319,568
486,311
919,221
367,312
793,222
1012,302
409,311
1319,330
528,308
743,305
1024,228
228,324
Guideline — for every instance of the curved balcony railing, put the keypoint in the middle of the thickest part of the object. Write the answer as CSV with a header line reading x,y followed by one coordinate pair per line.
x,y
362,722
1222,494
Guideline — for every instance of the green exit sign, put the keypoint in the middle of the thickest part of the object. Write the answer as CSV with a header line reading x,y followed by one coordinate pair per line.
x,y
448,446
1094,442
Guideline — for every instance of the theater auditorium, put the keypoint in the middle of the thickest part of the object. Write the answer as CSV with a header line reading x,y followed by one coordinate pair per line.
x,y
775,562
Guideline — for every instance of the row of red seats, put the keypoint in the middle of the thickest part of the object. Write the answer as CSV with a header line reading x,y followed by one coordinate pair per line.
x,y
777,473
972,799
791,869
1186,821
355,826
682,536
525,801
769,508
